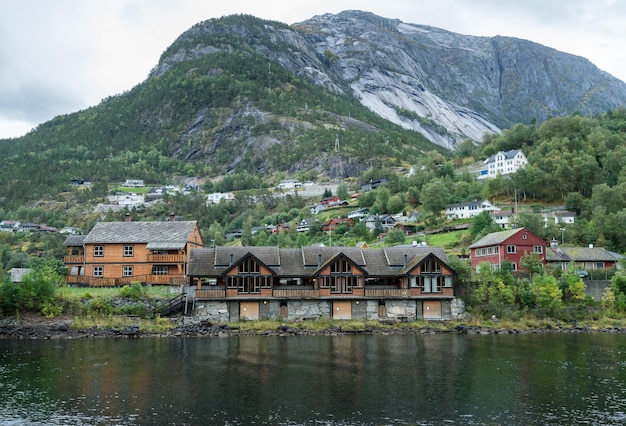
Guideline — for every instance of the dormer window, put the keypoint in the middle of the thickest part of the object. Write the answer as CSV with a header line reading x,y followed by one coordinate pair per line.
x,y
249,266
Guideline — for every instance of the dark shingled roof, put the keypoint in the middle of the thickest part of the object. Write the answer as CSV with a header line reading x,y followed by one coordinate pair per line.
x,y
74,241
140,232
290,262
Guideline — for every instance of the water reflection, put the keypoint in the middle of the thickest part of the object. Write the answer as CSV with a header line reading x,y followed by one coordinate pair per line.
x,y
397,379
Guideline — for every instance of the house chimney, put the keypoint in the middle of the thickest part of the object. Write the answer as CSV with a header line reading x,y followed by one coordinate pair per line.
x,y
127,217
590,245
554,243
172,217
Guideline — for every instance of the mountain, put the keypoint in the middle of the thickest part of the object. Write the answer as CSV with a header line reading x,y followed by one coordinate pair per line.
x,y
336,94
444,85
464,84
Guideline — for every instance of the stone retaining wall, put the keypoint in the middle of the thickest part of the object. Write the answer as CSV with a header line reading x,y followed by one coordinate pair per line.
x,y
297,310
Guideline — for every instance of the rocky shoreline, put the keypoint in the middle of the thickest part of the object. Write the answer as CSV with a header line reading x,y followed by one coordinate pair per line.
x,y
42,328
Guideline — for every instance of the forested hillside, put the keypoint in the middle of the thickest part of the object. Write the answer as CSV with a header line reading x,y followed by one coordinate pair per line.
x,y
576,161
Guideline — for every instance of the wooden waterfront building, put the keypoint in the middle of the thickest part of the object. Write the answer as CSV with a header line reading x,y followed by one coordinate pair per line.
x,y
119,253
232,283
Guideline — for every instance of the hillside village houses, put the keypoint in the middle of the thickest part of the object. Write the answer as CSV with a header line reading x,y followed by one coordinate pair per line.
x,y
17,226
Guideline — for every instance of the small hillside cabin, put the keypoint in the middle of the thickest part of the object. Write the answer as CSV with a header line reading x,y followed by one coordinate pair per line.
x,y
233,283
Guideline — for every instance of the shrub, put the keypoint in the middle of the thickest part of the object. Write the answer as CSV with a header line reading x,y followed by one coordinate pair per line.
x,y
134,291
99,305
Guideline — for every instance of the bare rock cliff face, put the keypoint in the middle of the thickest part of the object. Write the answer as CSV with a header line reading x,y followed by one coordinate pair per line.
x,y
447,86
458,86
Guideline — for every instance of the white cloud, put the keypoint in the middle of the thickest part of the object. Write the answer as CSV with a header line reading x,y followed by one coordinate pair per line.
x,y
62,56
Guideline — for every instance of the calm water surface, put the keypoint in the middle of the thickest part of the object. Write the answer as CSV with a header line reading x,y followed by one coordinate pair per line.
x,y
344,380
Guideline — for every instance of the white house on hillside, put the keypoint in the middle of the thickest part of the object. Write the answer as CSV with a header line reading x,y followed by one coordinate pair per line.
x,y
558,217
216,197
469,209
504,163
503,218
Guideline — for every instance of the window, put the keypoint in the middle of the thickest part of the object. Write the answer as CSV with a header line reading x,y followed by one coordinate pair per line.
x,y
249,266
98,271
510,249
538,249
127,271
431,266
128,250
514,266
98,251
159,270
249,284
431,284
341,267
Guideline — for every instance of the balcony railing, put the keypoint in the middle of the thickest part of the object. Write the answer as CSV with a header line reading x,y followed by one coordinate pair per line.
x,y
74,258
211,293
112,282
166,258
296,293
387,292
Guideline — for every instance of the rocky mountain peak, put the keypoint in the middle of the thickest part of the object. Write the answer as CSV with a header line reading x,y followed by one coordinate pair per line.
x,y
449,86
444,85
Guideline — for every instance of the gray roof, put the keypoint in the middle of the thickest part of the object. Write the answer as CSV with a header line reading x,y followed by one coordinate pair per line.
x,y
141,232
507,154
74,241
305,261
579,254
495,238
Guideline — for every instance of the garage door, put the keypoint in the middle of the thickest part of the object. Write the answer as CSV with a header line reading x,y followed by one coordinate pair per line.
x,y
342,310
432,309
249,310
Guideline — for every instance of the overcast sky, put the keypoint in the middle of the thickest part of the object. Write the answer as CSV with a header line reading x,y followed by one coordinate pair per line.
x,y
61,56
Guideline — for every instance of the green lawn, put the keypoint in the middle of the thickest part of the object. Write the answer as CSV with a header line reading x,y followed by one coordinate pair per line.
x,y
445,239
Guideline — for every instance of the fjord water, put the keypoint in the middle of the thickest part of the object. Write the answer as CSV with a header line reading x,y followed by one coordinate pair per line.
x,y
316,380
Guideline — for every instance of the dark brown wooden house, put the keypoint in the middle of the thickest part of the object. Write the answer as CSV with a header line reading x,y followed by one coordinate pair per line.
x,y
408,282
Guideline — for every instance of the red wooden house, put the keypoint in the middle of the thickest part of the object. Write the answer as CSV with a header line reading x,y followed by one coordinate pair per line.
x,y
510,245
332,224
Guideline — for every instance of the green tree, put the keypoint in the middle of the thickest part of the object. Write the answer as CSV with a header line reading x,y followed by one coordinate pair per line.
x,y
395,204
483,224
547,292
435,197
342,191
572,286
531,262
395,236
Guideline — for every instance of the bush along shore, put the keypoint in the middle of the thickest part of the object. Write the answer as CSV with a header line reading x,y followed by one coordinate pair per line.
x,y
34,327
